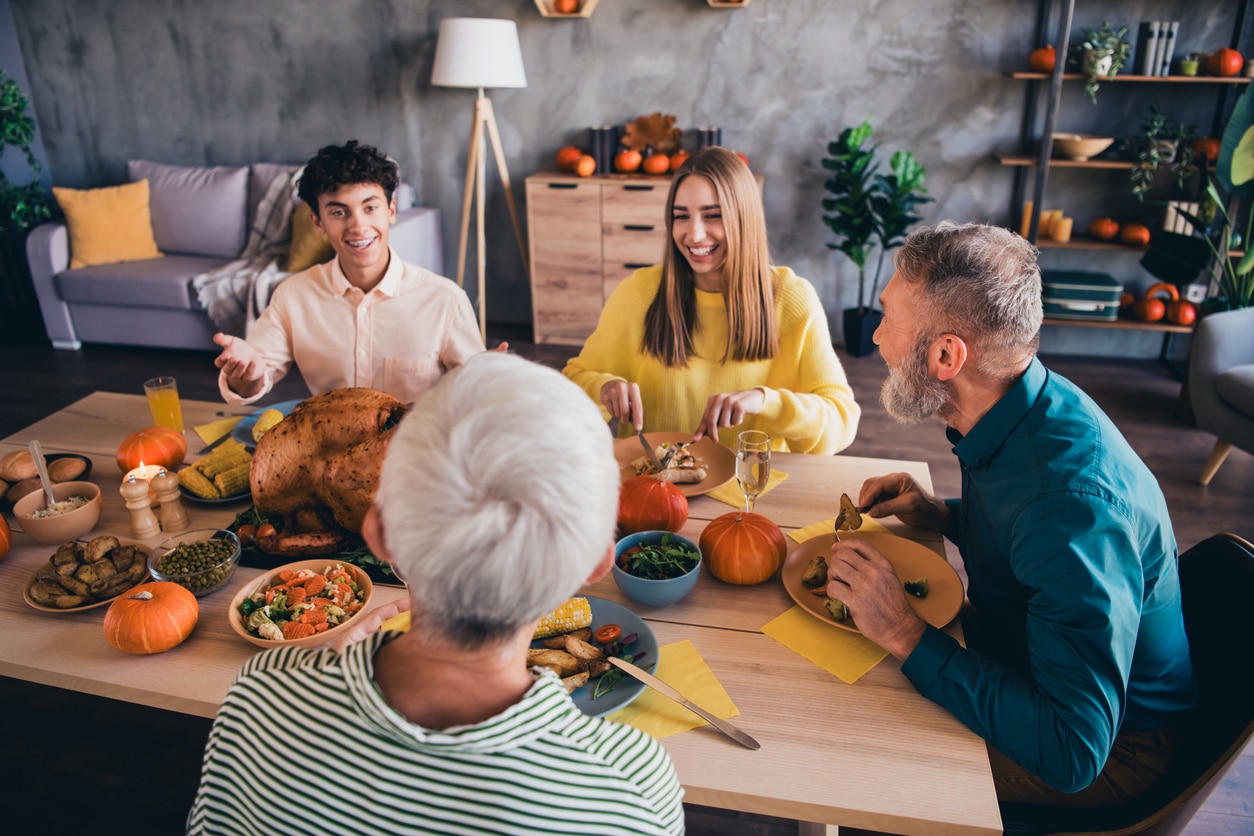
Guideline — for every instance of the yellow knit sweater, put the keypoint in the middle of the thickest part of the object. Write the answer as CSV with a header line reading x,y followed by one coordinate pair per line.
x,y
809,406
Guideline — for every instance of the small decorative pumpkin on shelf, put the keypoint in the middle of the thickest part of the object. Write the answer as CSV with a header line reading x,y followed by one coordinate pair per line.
x,y
1042,60
1151,308
1225,63
159,446
743,548
647,503
151,618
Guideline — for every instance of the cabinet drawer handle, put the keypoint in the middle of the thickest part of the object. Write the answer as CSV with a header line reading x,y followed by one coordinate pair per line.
x,y
631,265
563,185
639,227
630,187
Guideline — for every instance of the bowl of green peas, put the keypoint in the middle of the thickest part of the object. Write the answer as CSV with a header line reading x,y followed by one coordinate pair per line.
x,y
201,560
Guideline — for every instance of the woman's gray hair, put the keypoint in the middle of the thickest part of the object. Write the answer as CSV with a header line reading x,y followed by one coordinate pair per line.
x,y
981,283
498,497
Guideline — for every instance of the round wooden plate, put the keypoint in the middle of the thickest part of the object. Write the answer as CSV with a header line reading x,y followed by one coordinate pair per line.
x,y
719,461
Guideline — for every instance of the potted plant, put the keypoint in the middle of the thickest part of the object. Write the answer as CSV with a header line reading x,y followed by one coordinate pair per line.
x,y
21,208
1233,270
868,209
1163,142
1102,53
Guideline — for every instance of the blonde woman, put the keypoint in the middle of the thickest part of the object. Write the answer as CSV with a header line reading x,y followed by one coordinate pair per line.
x,y
715,339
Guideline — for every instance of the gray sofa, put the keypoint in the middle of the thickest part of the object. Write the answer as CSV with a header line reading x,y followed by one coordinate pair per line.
x,y
200,218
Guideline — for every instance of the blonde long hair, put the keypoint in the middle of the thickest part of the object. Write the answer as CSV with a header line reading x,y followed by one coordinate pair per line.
x,y
749,295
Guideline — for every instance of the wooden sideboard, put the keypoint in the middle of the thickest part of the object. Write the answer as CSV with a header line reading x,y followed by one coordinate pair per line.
x,y
587,234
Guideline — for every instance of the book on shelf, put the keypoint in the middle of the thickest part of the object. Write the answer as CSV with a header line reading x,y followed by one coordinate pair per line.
x,y
1146,41
1169,46
1157,57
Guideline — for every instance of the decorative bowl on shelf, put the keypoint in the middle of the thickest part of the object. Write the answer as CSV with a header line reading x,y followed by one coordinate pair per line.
x,y
1080,147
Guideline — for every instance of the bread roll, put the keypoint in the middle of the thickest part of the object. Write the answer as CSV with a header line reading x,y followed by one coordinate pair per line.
x,y
17,466
67,469
19,489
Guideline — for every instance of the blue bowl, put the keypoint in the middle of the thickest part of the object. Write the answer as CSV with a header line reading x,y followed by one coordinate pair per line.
x,y
654,593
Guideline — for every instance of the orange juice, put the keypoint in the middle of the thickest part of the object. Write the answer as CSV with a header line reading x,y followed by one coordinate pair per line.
x,y
164,405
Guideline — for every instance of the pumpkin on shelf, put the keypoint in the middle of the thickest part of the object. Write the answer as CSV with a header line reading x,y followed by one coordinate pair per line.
x,y
1042,60
1181,312
567,157
743,548
1151,308
1225,63
151,618
647,503
1138,235
1104,229
159,446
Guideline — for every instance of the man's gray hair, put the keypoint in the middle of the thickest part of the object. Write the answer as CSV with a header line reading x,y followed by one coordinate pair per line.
x,y
980,282
498,497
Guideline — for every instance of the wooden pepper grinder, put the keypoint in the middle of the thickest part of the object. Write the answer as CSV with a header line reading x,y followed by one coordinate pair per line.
x,y
172,514
143,521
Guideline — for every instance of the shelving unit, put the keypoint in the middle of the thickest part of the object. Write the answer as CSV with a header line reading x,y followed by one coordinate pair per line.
x,y
1036,136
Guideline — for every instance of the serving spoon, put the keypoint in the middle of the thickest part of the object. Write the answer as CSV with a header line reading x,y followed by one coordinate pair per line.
x,y
37,453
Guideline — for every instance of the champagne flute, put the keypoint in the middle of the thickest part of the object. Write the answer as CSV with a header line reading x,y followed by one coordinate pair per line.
x,y
753,464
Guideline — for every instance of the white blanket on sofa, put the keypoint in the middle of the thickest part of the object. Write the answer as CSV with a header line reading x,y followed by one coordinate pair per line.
x,y
235,294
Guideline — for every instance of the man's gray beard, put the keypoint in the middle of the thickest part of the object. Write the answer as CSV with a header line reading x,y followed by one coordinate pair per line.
x,y
909,395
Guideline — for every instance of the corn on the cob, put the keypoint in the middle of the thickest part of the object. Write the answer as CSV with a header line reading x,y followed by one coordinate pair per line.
x,y
234,481
265,421
575,614
229,455
195,481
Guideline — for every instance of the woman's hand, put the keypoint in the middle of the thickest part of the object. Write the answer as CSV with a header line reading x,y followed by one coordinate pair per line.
x,y
622,399
861,577
243,366
898,494
367,623
728,410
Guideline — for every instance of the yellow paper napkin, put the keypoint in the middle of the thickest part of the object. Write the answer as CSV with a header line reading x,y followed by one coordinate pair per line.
x,y
214,430
730,493
839,652
825,527
681,667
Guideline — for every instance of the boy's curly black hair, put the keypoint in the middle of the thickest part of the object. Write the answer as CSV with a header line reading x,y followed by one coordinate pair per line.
x,y
349,164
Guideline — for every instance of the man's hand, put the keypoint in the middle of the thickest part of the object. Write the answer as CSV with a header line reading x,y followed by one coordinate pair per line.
x,y
243,366
860,576
622,400
898,494
363,625
728,410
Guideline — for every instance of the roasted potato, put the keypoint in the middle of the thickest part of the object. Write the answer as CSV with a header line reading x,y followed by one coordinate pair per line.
x,y
815,575
99,547
558,642
76,575
575,681
582,650
559,661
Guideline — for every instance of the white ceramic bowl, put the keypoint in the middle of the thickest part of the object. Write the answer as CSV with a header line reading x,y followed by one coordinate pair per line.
x,y
61,528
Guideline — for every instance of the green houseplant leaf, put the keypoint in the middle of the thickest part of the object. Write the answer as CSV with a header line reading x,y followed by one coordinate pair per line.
x,y
21,206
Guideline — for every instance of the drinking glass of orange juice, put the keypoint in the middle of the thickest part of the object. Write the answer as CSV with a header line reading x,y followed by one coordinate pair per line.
x,y
163,402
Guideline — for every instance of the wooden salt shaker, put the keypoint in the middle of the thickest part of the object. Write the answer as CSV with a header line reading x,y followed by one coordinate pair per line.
x,y
143,521
172,514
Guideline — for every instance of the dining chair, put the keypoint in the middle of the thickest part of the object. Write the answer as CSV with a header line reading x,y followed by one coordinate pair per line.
x,y
1216,580
1221,383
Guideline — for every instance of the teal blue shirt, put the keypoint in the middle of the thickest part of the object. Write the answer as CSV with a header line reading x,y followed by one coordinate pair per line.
x,y
1071,560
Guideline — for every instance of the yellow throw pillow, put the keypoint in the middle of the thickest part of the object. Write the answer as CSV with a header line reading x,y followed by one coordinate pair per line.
x,y
309,246
108,225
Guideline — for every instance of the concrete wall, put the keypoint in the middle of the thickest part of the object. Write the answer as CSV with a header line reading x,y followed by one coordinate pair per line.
x,y
236,81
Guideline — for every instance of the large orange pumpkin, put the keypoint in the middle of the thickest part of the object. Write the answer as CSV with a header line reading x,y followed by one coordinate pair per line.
x,y
161,446
6,536
151,618
743,548
647,503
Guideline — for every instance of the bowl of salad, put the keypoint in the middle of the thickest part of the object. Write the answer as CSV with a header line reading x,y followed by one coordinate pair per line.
x,y
300,604
656,568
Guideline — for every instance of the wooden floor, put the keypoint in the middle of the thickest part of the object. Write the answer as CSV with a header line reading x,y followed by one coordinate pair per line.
x,y
81,764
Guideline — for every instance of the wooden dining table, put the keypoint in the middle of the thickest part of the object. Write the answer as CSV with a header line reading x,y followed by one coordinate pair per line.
x,y
874,754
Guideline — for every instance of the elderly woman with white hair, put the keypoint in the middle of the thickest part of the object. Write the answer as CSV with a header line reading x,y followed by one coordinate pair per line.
x,y
444,728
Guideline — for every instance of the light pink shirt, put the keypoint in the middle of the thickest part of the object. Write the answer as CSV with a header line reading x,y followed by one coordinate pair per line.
x,y
398,338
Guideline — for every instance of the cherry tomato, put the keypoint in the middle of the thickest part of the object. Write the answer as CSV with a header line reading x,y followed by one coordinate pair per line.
x,y
266,530
607,633
247,534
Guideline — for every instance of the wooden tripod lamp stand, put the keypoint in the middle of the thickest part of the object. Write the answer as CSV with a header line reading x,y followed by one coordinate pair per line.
x,y
476,52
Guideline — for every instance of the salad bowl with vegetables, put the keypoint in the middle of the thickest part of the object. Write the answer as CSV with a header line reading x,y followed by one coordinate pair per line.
x,y
300,604
656,568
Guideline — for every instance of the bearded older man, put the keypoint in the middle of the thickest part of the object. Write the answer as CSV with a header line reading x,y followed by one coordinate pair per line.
x,y
1077,672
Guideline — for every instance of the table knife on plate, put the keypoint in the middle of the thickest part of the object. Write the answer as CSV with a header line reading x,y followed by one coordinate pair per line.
x,y
667,691
658,467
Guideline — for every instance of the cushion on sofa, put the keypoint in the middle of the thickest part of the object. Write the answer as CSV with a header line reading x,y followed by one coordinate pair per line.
x,y
309,246
108,225
198,210
153,283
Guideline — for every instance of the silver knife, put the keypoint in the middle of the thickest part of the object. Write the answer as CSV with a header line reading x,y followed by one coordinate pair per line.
x,y
648,448
667,691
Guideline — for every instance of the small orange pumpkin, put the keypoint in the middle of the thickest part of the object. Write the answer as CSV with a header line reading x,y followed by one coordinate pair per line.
x,y
1136,234
677,159
1042,60
1226,63
6,536
1182,312
1104,229
1207,147
647,503
627,161
1151,308
656,164
743,548
151,618
161,446
567,157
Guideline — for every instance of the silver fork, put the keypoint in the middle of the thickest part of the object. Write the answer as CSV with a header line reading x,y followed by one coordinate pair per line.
x,y
840,520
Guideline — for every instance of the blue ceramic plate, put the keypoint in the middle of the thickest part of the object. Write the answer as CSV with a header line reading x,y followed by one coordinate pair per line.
x,y
626,689
243,432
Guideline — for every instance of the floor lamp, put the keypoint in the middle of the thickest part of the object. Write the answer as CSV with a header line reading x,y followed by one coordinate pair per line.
x,y
478,52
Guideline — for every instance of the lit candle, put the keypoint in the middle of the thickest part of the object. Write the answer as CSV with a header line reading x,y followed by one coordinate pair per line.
x,y
145,473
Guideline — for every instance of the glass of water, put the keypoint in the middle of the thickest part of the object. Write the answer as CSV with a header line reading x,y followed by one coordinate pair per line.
x,y
753,464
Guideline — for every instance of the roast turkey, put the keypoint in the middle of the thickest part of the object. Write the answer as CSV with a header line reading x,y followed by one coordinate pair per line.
x,y
314,473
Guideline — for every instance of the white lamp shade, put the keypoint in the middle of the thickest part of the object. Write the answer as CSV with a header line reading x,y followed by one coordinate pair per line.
x,y
478,52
